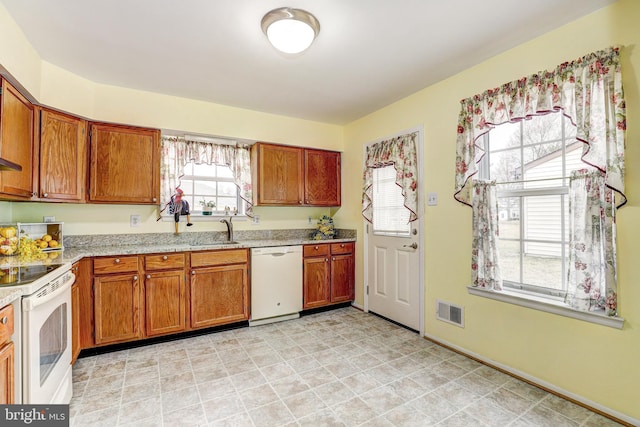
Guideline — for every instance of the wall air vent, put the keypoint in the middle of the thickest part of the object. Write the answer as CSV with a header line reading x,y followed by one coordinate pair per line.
x,y
450,313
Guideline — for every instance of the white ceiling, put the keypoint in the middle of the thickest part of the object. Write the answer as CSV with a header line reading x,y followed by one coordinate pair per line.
x,y
369,53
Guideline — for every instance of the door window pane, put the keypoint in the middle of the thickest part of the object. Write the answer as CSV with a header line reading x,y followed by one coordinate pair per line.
x,y
390,216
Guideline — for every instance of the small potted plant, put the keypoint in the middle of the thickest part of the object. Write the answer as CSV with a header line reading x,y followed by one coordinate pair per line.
x,y
207,206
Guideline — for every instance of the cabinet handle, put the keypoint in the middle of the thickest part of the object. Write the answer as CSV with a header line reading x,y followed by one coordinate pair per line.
x,y
117,261
164,258
4,320
148,276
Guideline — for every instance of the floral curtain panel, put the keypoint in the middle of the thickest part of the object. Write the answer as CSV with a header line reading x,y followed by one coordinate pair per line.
x,y
485,268
178,151
588,90
592,258
401,153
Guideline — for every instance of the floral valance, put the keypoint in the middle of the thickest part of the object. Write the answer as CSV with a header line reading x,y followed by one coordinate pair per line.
x,y
178,151
401,153
587,90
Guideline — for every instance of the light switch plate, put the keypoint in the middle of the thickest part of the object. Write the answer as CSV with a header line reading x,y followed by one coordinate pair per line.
x,y
432,199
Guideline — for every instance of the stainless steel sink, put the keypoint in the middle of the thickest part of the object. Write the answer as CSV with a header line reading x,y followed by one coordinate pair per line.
x,y
195,245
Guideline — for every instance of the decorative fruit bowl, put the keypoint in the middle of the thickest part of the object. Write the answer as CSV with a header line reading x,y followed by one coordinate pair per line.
x,y
9,241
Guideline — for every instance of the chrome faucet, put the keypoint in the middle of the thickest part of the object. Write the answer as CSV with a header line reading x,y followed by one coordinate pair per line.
x,y
229,228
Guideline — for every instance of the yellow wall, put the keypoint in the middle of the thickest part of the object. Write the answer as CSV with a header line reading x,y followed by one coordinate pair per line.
x,y
53,86
596,362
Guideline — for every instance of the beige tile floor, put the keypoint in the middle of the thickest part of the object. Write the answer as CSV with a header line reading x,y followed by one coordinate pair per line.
x,y
337,368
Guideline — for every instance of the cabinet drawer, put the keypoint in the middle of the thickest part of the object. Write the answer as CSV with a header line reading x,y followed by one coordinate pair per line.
x,y
164,261
315,250
114,264
6,323
209,258
342,248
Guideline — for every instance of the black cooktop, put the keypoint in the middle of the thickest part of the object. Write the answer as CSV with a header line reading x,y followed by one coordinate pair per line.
x,y
14,276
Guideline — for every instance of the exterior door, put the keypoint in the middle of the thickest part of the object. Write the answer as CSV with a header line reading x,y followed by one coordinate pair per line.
x,y
393,260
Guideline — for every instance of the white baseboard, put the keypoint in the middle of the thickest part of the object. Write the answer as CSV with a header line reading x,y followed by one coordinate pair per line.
x,y
539,382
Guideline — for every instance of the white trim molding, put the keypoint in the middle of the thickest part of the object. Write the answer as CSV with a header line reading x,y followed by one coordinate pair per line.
x,y
547,305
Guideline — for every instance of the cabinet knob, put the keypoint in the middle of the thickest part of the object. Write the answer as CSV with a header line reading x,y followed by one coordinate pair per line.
x,y
148,276
300,202
165,258
117,261
45,195
34,194
4,320
135,277
193,272
155,199
315,248
342,245
333,258
326,260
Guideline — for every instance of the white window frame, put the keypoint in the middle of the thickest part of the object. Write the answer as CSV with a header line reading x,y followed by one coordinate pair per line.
x,y
533,296
195,208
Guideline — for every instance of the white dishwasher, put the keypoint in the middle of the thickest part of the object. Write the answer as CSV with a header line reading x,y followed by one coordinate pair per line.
x,y
276,284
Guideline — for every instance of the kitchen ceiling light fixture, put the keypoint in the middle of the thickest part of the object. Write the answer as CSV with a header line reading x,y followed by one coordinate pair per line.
x,y
290,30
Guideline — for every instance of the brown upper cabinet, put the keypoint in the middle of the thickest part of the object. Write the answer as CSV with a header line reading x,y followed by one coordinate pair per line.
x,y
125,164
63,157
17,118
295,176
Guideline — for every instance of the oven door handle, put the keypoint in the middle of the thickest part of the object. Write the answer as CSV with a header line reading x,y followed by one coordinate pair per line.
x,y
31,302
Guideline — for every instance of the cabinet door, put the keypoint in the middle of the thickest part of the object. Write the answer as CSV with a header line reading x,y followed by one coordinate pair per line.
x,y
316,286
125,164
84,272
165,301
63,157
75,322
342,278
16,142
219,295
322,182
7,376
279,173
116,308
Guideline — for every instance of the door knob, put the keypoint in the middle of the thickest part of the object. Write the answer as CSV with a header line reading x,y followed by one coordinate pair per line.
x,y
414,245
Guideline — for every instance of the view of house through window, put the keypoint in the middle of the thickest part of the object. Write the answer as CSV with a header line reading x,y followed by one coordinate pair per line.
x,y
390,217
210,185
531,161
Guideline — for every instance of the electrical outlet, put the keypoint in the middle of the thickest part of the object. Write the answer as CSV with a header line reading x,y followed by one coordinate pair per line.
x,y
48,219
432,199
134,220
310,221
255,219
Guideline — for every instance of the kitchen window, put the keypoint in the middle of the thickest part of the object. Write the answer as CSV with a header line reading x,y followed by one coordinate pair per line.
x,y
206,185
205,173
531,161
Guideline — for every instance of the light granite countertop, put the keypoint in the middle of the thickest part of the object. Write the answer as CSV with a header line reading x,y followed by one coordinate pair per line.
x,y
8,295
106,245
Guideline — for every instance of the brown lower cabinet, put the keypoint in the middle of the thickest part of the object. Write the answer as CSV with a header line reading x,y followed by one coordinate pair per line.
x,y
137,296
7,356
328,274
219,287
